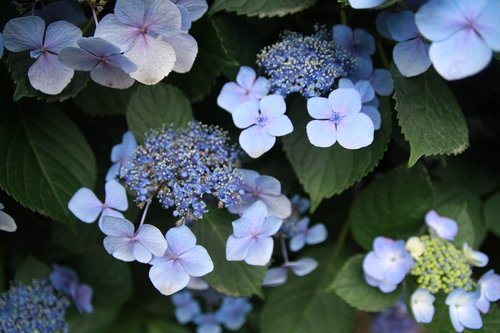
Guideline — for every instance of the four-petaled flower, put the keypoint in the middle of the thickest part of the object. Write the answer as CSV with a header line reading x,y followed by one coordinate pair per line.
x,y
233,311
208,323
422,305
358,42
305,235
463,310
441,226
489,289
186,307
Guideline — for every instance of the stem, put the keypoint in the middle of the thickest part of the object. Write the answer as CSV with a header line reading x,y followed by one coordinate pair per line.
x,y
343,16
88,25
382,56
94,14
283,249
340,242
143,218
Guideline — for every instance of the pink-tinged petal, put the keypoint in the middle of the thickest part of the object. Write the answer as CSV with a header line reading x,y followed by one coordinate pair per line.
x,y
7,223
488,25
122,248
111,77
260,251
402,26
374,115
162,18
116,196
24,33
321,133
48,75
279,126
196,8
277,205
186,49
117,227
303,266
438,20
270,226
317,234
231,96
246,114
256,212
180,240
85,205
120,61
256,141
412,57
154,58
61,34
152,239
355,131
366,91
141,253
297,242
246,77
343,36
461,55
345,101
168,277
275,277
123,36
237,248
267,185
319,107
82,296
260,88
77,58
197,261
130,12
441,226
272,106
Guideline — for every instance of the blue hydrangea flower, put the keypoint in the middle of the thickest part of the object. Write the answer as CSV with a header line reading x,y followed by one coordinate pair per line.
x,y
233,312
305,64
120,154
411,53
182,165
106,64
65,280
7,223
263,121
124,243
248,87
182,259
149,33
87,207
208,323
191,10
387,265
358,42
339,119
441,226
186,307
422,305
368,99
364,4
475,258
463,33
395,319
28,33
463,310
35,307
264,188
277,276
489,289
251,240
304,235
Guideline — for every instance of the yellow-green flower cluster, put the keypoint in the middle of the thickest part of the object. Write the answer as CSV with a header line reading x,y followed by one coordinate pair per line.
x,y
441,267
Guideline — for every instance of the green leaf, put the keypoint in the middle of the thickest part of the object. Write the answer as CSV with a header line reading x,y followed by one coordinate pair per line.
x,y
153,106
392,206
327,171
96,322
44,161
261,8
351,286
302,305
31,268
492,213
163,326
234,278
97,100
429,116
460,213
19,63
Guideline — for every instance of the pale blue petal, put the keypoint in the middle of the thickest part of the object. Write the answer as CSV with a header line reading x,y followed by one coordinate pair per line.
x,y
48,75
186,49
343,83
197,261
381,23
490,286
1,45
120,61
474,258
355,131
122,248
321,133
297,242
231,96
152,239
85,205
279,126
168,277
365,43
277,205
185,19
422,305
455,320
98,46
488,25
317,234
402,26
374,115
7,223
246,77
386,287
382,82
303,266
117,227
237,248
141,254
470,317
61,34
342,35
250,179
109,212
383,247
272,106
180,240
319,107
395,272
256,213
130,12
187,313
197,283
270,226
365,89
76,58
412,57
345,101
363,4
260,251
363,67
373,267
119,34
162,18
209,328
256,141
443,227
246,114
82,296
196,8
439,19
111,76
24,33
116,196
62,278
267,185
275,277
260,88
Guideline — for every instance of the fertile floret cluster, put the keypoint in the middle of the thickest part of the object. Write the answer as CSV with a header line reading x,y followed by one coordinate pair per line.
x,y
305,64
183,166
35,307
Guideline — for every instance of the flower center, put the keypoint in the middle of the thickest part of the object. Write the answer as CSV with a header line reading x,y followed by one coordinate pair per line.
x,y
261,120
336,117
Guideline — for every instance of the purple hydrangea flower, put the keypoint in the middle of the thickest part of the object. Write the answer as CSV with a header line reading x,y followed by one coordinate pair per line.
x,y
463,310
186,307
182,259
66,281
411,54
248,87
7,223
120,154
441,226
489,289
124,243
364,4
87,207
474,258
368,99
387,265
277,276
106,64
208,323
358,42
422,305
339,119
261,127
233,312
304,235
28,33
251,240
191,10
463,33
264,188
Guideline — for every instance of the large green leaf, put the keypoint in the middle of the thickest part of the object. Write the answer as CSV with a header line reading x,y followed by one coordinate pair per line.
x,y
31,268
429,116
44,161
154,106
302,305
261,8
492,213
327,171
97,100
392,206
229,277
351,286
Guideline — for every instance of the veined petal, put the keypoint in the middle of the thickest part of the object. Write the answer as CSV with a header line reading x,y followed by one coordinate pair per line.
x,y
275,277
48,75
365,43
319,107
85,205
180,240
61,34
303,266
488,25
270,226
439,19
317,234
24,33
260,88
365,89
121,62
116,196
98,46
422,305
321,133
141,253
345,101
343,36
259,251
162,17
272,106
411,57
186,49
277,205
231,96
197,261
256,212
117,33
122,248
196,8
117,227
76,58
402,26
267,185
237,248
279,126
130,12
256,140
382,82
374,115
152,239
246,114
111,77
246,77
168,277
297,242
